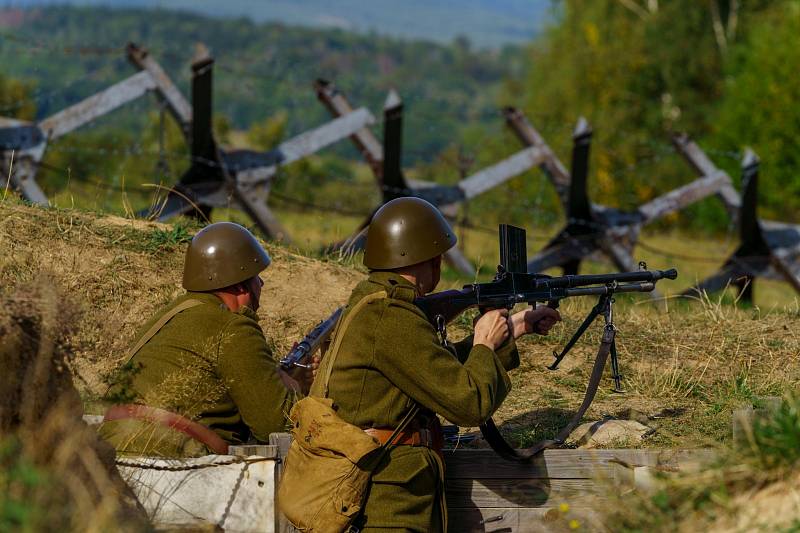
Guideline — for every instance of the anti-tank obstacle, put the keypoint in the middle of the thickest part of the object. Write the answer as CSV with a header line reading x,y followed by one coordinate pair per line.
x,y
240,178
767,249
385,161
592,227
28,141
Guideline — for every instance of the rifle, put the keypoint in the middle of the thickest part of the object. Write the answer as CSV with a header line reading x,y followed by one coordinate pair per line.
x,y
311,342
512,284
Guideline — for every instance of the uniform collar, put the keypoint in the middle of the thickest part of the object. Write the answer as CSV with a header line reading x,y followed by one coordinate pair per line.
x,y
396,286
213,299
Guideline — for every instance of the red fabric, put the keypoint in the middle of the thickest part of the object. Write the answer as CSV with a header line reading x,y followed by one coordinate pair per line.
x,y
174,421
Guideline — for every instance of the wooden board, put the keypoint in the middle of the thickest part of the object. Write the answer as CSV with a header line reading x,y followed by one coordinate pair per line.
x,y
567,464
510,493
508,520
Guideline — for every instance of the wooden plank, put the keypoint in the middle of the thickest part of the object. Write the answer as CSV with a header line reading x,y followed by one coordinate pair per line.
x,y
98,105
249,450
781,235
23,175
369,146
456,259
180,493
307,143
23,179
322,136
177,105
790,271
715,282
498,173
20,138
521,519
489,493
703,165
552,166
566,464
677,199
254,202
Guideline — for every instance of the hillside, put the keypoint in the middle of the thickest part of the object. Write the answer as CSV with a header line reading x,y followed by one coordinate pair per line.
x,y
689,367
490,23
68,53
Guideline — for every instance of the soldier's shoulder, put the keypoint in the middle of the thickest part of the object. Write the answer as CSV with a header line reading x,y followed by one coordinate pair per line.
x,y
399,297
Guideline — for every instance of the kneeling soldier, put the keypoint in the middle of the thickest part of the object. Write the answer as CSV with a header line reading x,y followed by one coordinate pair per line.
x,y
201,375
390,360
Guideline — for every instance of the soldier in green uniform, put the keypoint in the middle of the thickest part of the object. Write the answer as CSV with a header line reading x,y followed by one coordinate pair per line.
x,y
390,359
202,375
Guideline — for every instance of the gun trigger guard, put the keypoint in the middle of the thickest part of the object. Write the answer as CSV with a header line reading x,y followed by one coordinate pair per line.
x,y
441,329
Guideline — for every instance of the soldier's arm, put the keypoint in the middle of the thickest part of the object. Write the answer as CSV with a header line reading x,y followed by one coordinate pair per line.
x,y
409,355
246,365
507,352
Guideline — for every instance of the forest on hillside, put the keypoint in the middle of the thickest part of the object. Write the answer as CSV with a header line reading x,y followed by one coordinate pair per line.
x,y
722,71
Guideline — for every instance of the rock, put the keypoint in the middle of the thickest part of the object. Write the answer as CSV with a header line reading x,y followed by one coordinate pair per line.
x,y
609,433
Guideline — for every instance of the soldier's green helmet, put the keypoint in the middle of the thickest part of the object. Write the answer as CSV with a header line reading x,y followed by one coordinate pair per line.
x,y
406,231
220,255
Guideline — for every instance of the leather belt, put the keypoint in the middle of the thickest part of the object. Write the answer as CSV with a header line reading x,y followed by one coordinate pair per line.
x,y
154,415
420,437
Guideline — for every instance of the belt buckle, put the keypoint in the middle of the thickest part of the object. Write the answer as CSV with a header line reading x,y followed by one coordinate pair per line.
x,y
425,438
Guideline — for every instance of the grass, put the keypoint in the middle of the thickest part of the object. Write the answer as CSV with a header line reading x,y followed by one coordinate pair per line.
x,y
685,370
750,488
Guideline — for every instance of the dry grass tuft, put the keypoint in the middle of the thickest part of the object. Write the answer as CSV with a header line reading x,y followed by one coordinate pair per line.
x,y
55,472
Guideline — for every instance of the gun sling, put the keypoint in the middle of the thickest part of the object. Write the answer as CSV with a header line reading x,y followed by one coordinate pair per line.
x,y
492,434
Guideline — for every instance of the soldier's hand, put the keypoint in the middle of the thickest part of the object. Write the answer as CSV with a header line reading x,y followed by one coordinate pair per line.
x,y
492,329
315,365
290,383
539,320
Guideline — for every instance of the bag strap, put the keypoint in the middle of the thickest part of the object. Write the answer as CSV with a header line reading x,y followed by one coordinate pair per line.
x,y
160,323
338,334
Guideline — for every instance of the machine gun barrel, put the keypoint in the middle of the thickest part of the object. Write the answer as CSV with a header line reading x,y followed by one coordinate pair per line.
x,y
605,289
604,279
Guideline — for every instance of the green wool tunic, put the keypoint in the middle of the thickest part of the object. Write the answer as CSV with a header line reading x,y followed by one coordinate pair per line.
x,y
210,365
390,358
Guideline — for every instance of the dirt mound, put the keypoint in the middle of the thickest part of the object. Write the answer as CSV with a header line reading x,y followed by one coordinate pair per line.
x,y
55,470
120,271
775,507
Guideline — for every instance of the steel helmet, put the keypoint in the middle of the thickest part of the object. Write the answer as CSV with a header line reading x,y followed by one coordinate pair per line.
x,y
220,255
406,231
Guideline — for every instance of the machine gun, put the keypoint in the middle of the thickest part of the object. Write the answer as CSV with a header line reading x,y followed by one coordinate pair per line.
x,y
512,284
